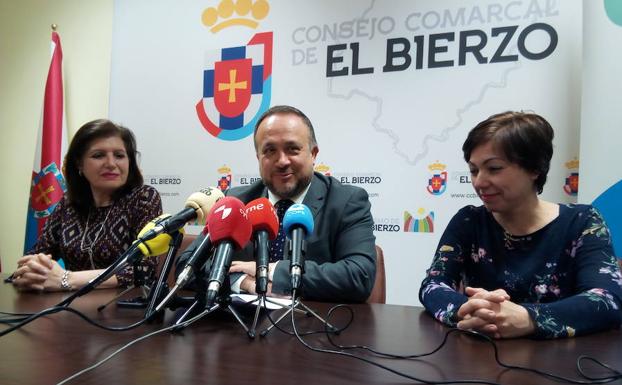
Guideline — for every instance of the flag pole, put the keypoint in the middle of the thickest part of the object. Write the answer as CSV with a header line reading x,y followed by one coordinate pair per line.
x,y
47,182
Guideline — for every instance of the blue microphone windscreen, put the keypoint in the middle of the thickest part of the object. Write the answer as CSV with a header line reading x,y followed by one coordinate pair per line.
x,y
298,215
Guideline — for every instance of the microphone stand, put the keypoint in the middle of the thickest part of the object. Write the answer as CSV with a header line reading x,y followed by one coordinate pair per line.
x,y
261,278
261,300
297,301
150,294
222,301
294,307
139,282
161,288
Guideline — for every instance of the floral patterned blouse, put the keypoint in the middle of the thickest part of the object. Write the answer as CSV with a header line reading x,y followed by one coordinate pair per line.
x,y
564,274
99,240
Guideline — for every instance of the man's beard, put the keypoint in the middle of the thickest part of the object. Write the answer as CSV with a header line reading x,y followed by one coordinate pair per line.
x,y
290,192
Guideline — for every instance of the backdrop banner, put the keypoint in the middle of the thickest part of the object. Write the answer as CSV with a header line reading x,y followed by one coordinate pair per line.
x,y
392,88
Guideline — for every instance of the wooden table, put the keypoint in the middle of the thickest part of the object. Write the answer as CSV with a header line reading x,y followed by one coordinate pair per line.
x,y
215,350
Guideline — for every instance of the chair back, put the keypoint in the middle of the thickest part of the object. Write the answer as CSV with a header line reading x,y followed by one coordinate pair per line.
x,y
379,292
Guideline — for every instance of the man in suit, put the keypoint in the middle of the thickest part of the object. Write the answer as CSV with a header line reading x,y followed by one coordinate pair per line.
x,y
340,262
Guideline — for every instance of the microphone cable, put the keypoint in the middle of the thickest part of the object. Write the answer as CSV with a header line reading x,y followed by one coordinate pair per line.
x,y
376,352
580,369
4,317
126,346
341,352
5,314
384,367
307,333
616,374
57,309
26,318
111,355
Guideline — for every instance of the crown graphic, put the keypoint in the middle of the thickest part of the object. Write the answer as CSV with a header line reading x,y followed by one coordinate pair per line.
x,y
437,166
224,170
572,164
322,168
231,13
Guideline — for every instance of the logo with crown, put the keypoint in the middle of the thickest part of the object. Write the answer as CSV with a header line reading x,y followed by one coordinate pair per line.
x,y
237,81
322,169
224,182
437,183
231,13
423,224
571,184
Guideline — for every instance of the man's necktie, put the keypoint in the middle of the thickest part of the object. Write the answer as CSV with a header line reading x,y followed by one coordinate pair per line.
x,y
277,246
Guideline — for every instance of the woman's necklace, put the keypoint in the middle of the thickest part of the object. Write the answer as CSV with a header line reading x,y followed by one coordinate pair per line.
x,y
511,241
88,247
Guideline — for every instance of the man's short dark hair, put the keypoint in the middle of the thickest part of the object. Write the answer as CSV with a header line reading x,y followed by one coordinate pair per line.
x,y
526,139
284,109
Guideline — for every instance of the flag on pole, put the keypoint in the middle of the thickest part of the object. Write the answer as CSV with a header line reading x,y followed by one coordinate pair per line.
x,y
48,185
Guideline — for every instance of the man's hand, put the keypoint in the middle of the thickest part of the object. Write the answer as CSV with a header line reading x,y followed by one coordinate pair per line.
x,y
492,313
248,283
248,268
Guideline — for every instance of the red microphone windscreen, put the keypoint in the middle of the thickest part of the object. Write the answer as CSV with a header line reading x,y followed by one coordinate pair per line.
x,y
262,216
228,220
205,230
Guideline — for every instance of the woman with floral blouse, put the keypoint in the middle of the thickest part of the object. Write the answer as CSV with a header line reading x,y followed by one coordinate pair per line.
x,y
528,267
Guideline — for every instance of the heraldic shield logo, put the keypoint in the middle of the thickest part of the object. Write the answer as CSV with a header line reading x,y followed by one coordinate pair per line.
x,y
571,185
237,84
437,183
224,183
47,189
571,182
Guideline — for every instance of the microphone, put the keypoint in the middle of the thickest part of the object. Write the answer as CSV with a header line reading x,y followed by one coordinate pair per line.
x,y
144,248
147,248
229,229
197,205
265,224
150,247
297,224
197,257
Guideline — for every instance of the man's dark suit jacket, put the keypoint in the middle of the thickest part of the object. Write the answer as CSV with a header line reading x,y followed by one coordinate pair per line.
x,y
340,263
